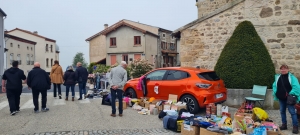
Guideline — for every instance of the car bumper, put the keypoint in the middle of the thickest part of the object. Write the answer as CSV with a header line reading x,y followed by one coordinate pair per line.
x,y
205,100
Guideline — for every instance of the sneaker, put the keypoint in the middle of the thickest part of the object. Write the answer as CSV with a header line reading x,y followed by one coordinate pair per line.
x,y
17,111
13,113
45,109
79,98
36,111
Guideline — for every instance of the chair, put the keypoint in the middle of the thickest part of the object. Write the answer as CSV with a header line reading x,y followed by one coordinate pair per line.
x,y
260,91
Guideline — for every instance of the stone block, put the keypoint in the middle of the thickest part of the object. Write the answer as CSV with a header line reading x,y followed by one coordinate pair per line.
x,y
277,2
190,41
186,59
282,45
277,8
289,29
274,40
281,35
298,29
266,12
278,13
294,22
290,46
297,57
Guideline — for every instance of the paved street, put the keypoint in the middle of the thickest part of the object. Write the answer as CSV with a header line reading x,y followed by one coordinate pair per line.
x,y
85,117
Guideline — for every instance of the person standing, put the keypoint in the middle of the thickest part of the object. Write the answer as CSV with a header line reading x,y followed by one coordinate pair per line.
x,y
70,81
56,76
12,85
117,80
39,81
81,77
286,83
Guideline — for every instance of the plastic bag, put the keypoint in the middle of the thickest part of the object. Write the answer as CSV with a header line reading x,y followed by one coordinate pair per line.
x,y
259,131
260,113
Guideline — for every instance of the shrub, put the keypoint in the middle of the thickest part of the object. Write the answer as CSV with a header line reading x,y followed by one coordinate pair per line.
x,y
245,60
139,67
91,67
101,68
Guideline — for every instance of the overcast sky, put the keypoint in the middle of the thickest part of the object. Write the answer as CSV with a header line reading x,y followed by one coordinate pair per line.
x,y
70,22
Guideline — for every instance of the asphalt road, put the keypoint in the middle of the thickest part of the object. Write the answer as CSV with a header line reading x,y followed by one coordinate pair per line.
x,y
63,89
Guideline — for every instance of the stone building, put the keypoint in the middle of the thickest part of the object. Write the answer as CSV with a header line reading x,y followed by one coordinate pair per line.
x,y
21,50
128,40
276,21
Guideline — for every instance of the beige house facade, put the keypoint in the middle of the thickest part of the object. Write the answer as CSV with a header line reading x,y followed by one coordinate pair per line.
x,y
21,50
276,21
127,40
45,53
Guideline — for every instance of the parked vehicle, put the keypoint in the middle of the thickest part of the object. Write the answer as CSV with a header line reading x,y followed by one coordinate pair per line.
x,y
197,87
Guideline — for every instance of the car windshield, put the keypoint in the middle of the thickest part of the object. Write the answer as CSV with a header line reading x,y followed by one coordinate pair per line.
x,y
210,76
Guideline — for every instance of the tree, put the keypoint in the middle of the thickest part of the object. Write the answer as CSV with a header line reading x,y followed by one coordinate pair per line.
x,y
139,67
79,58
245,60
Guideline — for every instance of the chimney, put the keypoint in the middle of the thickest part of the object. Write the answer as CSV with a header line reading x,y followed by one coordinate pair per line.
x,y
35,32
105,26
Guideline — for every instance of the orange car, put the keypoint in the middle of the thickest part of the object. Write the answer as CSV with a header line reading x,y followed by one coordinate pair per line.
x,y
197,87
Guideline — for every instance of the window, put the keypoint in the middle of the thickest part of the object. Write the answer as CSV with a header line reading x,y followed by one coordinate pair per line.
x,y
113,59
113,42
51,62
47,62
28,59
11,44
156,75
137,40
125,57
19,59
51,50
177,75
210,76
32,60
27,48
163,45
11,58
31,48
164,35
18,46
172,46
46,47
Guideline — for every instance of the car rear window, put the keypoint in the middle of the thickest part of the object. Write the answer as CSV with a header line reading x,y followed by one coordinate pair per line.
x,y
210,76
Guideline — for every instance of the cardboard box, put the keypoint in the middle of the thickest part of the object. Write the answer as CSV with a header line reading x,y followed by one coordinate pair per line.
x,y
147,105
141,103
189,130
204,131
177,107
241,116
124,105
173,98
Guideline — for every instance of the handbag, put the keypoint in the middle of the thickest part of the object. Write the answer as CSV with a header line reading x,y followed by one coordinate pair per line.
x,y
291,99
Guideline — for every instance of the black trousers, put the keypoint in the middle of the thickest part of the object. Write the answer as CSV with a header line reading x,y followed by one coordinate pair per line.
x,y
35,96
118,93
54,89
13,96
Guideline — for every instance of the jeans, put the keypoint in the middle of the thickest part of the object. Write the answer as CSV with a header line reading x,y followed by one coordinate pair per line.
x,y
68,86
35,95
98,85
13,96
82,88
116,94
54,89
291,108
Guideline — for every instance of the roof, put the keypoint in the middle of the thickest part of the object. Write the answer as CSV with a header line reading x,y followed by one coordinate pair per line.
x,y
216,12
102,61
2,12
19,39
28,32
124,22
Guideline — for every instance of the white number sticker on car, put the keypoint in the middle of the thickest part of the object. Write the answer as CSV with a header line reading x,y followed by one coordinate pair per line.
x,y
156,89
219,95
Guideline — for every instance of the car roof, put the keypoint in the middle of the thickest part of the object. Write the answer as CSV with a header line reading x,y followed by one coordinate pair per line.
x,y
186,69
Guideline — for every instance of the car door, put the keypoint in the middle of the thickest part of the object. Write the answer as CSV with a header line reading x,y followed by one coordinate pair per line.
x,y
174,83
155,78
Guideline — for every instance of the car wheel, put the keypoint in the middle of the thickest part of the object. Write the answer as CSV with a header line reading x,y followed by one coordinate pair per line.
x,y
192,103
131,93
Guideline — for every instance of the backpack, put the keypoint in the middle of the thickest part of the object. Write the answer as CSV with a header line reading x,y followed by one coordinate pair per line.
x,y
162,114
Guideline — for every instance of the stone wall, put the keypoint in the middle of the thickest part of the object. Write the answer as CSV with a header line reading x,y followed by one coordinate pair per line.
x,y
209,6
276,21
97,48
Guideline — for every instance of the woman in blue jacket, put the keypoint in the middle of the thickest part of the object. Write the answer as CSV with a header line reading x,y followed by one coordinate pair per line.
x,y
286,83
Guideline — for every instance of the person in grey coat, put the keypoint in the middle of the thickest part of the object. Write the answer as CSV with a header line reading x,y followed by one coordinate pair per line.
x,y
117,80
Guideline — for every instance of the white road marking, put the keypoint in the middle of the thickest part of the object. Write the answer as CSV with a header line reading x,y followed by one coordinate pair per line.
x,y
3,104
59,102
28,104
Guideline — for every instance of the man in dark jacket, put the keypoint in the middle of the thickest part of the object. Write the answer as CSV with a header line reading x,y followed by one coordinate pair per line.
x,y
13,79
39,81
81,76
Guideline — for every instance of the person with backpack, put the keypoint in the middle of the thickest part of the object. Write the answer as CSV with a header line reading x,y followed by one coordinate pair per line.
x,y
12,85
70,81
56,76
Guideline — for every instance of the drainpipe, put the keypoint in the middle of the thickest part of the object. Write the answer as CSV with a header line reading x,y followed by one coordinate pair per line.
x,y
145,46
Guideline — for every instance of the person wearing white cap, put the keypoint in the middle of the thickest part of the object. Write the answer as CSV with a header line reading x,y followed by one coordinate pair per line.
x,y
117,80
